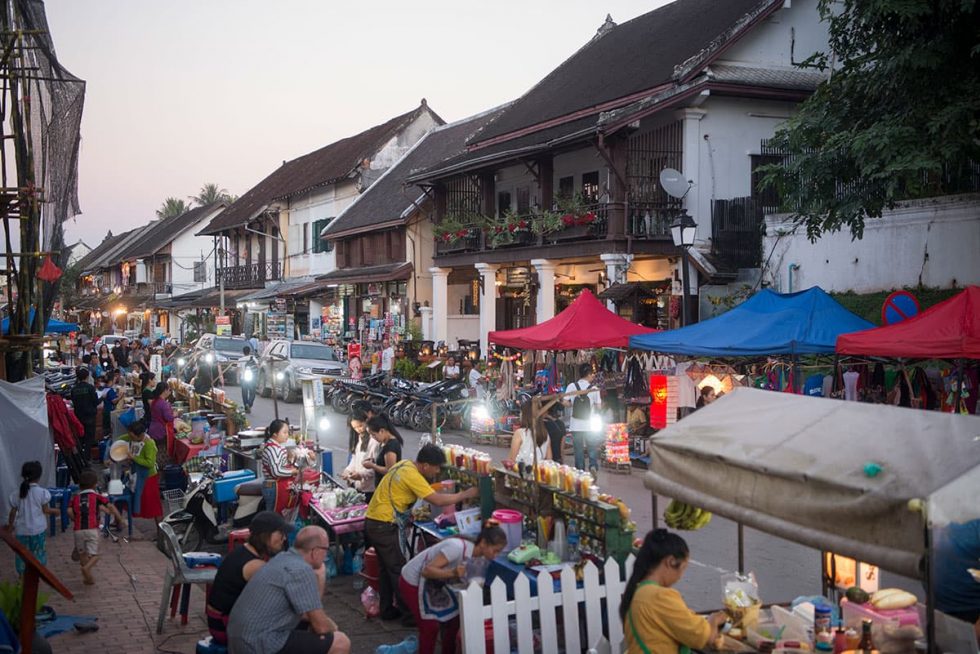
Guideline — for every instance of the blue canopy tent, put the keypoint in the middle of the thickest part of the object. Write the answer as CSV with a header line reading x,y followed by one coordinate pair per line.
x,y
54,326
807,322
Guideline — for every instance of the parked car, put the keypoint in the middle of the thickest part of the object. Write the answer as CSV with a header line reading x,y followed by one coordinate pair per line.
x,y
295,360
109,340
223,349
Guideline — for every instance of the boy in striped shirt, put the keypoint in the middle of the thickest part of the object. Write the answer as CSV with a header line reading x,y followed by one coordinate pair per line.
x,y
86,509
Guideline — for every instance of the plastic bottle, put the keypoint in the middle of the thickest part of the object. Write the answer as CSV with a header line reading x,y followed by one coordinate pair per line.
x,y
425,439
573,540
438,440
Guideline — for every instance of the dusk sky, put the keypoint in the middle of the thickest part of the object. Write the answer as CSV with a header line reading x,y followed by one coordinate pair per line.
x,y
188,91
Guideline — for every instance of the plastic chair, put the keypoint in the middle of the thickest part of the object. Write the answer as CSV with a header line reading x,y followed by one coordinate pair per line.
x,y
238,537
126,500
61,499
180,575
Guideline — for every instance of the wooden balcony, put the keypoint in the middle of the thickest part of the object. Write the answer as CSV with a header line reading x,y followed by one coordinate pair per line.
x,y
251,275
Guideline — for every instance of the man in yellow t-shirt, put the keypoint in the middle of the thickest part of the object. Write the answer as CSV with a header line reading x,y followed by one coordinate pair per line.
x,y
404,484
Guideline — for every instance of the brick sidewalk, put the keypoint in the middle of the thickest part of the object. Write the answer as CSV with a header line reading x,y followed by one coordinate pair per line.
x,y
126,599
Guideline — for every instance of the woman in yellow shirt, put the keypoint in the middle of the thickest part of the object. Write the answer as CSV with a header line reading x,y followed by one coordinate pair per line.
x,y
655,618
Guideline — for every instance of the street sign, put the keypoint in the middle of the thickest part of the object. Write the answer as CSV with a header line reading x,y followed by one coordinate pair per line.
x,y
222,325
899,306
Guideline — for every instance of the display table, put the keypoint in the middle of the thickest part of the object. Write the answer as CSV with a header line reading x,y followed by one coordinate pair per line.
x,y
184,449
336,522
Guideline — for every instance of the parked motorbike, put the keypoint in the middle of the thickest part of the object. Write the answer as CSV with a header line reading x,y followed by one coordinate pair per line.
x,y
371,388
197,522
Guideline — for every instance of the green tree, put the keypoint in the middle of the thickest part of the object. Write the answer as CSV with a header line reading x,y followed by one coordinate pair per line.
x,y
172,207
209,194
898,118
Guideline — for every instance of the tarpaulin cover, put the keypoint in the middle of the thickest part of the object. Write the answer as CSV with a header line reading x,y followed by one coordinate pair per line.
x,y
585,324
23,436
948,330
53,327
794,466
807,322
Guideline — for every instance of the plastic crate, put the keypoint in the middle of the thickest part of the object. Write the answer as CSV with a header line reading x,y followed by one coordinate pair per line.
x,y
173,500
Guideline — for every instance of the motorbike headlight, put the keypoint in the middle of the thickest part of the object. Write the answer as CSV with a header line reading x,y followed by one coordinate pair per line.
x,y
248,375
209,357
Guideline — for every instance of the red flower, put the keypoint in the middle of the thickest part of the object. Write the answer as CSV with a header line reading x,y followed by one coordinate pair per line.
x,y
447,237
497,229
589,217
462,233
568,219
523,224
511,227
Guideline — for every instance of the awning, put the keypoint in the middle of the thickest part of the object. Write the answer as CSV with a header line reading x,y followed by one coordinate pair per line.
x,y
388,272
182,301
620,292
213,298
270,292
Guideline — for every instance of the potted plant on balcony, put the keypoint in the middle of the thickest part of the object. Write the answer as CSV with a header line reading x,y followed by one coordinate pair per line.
x,y
575,215
510,229
451,232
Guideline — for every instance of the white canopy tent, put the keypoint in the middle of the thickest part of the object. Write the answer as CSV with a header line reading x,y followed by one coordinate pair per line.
x,y
24,436
795,467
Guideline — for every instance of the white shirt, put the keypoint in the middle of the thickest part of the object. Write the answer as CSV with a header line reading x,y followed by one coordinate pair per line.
x,y
686,390
30,520
450,371
387,359
525,453
369,452
454,549
578,424
474,377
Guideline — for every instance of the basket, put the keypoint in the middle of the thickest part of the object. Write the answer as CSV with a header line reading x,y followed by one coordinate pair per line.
x,y
173,500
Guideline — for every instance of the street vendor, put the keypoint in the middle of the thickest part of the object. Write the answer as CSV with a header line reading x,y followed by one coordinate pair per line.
x,y
365,451
143,457
529,444
390,442
276,469
161,422
423,579
655,617
387,515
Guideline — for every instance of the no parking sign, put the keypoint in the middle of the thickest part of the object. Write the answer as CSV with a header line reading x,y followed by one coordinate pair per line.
x,y
899,306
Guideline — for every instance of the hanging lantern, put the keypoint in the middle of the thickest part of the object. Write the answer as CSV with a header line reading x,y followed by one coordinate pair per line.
x,y
49,271
658,401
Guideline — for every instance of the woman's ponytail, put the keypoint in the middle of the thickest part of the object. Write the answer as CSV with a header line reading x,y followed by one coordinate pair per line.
x,y
30,473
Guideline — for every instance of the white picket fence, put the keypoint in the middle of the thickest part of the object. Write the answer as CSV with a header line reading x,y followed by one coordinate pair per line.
x,y
473,612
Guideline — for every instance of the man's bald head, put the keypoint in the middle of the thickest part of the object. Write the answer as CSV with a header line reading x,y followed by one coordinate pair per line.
x,y
310,537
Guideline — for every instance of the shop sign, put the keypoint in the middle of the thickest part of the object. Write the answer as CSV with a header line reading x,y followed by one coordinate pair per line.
x,y
280,304
658,401
222,325
374,289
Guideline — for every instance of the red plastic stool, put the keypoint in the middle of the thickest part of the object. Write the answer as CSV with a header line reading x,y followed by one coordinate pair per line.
x,y
238,536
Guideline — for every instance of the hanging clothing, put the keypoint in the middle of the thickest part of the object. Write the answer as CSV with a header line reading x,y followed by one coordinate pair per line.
x,y
850,385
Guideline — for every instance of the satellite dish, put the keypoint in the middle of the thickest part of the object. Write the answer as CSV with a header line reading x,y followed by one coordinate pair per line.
x,y
674,183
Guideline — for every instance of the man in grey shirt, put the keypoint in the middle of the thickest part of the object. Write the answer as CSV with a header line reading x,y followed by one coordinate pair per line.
x,y
284,592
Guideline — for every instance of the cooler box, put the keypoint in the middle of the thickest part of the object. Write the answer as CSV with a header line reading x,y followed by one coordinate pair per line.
x,y
224,488
202,559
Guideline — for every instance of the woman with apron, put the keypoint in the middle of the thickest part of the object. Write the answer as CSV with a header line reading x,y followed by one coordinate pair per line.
x,y
276,469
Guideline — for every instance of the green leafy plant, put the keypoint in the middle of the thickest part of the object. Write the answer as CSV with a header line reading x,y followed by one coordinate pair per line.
x,y
508,229
405,368
11,595
458,227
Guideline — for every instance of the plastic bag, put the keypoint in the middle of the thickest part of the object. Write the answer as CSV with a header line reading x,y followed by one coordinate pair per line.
x,y
127,417
371,602
740,594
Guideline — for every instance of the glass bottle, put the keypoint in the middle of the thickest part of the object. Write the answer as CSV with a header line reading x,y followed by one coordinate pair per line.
x,y
865,645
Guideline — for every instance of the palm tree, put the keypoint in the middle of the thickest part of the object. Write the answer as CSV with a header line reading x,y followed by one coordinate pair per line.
x,y
172,207
211,193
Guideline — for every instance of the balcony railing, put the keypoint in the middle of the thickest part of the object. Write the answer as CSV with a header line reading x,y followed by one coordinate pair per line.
x,y
252,275
481,239
649,220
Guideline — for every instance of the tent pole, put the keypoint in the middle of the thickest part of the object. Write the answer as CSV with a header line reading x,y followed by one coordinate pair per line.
x,y
930,592
653,507
741,548
959,386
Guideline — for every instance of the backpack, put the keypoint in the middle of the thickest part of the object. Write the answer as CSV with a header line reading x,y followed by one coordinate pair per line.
x,y
581,405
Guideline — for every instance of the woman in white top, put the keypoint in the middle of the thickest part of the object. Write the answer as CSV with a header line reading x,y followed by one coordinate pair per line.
x,y
443,562
366,449
450,370
527,438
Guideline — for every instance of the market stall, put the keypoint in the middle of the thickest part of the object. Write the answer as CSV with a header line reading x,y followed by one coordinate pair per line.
x,y
768,323
948,330
867,482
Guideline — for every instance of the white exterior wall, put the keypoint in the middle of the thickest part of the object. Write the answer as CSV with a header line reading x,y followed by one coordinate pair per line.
x,y
933,242
575,163
304,209
184,251
789,36
463,327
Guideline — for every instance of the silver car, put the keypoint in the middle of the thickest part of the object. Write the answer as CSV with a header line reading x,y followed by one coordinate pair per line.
x,y
285,363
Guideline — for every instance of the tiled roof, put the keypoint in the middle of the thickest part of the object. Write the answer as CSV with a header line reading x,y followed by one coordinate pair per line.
x,y
324,166
389,199
163,231
107,255
641,54
98,251
774,78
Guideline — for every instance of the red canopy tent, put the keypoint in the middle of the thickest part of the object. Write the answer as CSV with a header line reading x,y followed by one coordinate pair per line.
x,y
585,324
948,330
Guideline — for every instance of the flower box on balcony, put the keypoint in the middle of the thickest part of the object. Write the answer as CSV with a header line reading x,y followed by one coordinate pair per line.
x,y
573,233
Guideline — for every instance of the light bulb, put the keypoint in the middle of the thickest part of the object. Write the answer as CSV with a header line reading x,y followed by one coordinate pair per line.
x,y
324,424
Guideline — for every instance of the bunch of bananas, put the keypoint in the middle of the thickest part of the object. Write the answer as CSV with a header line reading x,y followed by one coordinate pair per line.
x,y
684,516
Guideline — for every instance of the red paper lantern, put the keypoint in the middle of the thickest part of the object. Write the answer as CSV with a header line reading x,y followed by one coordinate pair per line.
x,y
658,401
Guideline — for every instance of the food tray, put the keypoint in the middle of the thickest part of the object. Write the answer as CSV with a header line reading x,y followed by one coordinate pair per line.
x,y
343,525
